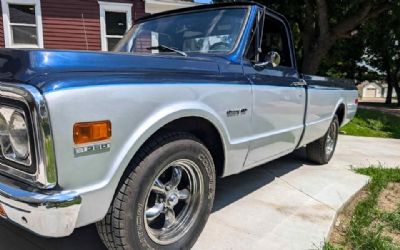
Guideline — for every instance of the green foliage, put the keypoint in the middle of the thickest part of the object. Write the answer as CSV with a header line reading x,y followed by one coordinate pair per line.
x,y
342,60
380,176
393,219
365,230
376,43
347,51
373,123
330,246
382,41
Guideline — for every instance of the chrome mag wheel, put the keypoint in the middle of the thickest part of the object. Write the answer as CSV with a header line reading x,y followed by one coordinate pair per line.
x,y
331,139
173,202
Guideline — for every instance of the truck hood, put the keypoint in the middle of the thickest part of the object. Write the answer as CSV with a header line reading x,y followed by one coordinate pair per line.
x,y
18,65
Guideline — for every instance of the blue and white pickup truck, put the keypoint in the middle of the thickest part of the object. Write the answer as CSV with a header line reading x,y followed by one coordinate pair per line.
x,y
134,139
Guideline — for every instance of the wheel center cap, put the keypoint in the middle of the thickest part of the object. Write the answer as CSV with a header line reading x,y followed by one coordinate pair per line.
x,y
172,199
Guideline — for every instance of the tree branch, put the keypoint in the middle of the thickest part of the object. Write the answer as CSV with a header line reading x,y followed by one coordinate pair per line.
x,y
308,33
379,10
397,74
323,19
309,18
352,22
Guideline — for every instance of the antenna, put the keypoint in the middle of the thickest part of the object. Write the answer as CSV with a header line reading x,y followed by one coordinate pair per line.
x,y
84,30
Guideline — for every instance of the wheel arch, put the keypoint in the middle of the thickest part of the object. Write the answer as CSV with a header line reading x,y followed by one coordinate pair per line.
x,y
340,112
202,129
205,131
202,123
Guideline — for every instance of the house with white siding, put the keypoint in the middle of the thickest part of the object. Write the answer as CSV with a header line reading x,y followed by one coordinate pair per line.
x,y
373,90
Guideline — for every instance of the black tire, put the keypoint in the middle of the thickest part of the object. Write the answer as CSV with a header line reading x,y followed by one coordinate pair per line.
x,y
317,151
104,229
130,228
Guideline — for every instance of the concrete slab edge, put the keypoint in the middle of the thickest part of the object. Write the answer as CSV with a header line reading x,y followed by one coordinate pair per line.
x,y
344,205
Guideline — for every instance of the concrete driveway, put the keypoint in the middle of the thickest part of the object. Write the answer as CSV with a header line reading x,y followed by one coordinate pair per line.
x,y
286,204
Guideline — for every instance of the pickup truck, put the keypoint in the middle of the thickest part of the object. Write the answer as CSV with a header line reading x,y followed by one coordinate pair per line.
x,y
134,139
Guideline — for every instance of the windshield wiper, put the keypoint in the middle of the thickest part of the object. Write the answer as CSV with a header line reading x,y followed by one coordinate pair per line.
x,y
166,48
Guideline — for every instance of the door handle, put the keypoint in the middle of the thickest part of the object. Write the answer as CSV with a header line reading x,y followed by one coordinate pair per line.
x,y
300,83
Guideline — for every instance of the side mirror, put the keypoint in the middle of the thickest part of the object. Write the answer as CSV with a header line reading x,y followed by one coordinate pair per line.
x,y
271,59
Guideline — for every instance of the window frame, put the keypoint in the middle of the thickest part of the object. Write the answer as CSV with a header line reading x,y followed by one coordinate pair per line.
x,y
7,24
254,37
113,7
288,36
258,36
206,8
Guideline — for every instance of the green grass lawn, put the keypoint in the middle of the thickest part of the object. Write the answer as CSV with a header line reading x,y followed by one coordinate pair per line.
x,y
373,123
368,226
379,104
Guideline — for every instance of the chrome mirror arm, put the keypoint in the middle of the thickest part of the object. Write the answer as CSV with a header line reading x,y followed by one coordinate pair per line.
x,y
272,59
262,65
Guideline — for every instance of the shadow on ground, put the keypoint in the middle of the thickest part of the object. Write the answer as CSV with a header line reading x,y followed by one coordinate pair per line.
x,y
229,190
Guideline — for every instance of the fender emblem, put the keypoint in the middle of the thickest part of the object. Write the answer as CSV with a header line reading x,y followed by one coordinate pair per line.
x,y
236,112
92,149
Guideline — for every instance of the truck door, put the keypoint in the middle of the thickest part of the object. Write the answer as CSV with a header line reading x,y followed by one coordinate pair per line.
x,y
279,96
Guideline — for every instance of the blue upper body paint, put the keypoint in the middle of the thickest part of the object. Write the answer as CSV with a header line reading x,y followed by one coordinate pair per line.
x,y
48,69
54,70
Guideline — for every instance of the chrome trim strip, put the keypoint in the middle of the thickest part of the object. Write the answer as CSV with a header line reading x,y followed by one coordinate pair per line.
x,y
46,171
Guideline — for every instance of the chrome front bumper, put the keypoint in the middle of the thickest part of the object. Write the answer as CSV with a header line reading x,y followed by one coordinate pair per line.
x,y
43,212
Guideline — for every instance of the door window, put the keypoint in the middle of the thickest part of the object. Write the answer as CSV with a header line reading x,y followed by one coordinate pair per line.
x,y
275,38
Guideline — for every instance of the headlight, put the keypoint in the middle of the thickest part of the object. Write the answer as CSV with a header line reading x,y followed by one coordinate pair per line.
x,y
3,126
14,136
5,136
19,137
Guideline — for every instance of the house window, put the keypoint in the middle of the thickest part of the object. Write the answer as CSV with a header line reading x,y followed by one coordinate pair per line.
x,y
22,22
115,20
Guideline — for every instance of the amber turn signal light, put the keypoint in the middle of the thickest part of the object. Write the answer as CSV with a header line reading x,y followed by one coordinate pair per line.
x,y
86,132
2,212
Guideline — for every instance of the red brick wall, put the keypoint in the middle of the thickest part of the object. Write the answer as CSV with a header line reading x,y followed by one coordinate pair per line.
x,y
64,27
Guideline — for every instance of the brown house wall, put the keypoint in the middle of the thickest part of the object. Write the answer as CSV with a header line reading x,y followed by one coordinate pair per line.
x,y
74,24
1,28
138,9
65,22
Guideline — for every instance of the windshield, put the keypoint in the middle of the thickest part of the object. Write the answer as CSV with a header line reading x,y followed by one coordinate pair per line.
x,y
212,31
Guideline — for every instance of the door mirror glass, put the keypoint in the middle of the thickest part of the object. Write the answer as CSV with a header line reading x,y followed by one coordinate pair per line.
x,y
272,59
